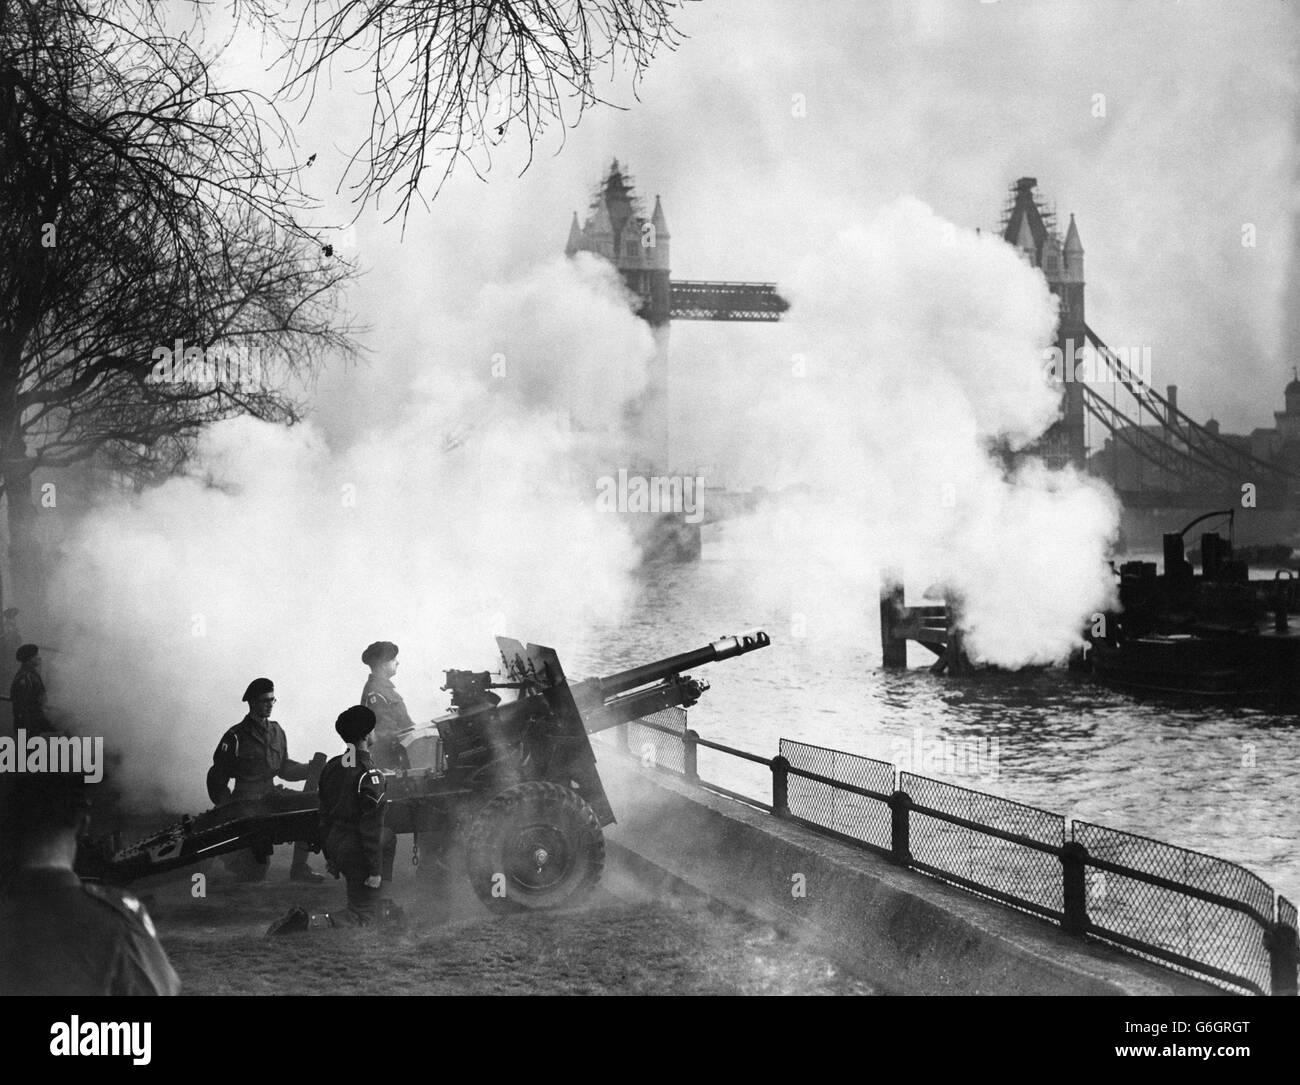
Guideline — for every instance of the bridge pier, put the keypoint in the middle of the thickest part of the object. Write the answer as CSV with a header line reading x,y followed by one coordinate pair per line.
x,y
932,626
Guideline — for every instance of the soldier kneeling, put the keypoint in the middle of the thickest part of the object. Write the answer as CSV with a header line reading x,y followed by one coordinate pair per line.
x,y
352,826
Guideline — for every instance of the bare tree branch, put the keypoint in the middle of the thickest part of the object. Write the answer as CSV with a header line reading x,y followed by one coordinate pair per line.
x,y
139,210
451,77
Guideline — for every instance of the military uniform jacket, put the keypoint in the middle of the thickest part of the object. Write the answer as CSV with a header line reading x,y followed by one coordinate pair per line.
x,y
352,809
254,753
28,696
60,937
382,698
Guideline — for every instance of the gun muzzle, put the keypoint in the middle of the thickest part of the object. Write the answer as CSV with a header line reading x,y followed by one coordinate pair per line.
x,y
739,645
722,648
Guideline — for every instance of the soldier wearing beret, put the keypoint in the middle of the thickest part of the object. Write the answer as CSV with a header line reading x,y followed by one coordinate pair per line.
x,y
27,693
254,752
59,936
352,800
382,698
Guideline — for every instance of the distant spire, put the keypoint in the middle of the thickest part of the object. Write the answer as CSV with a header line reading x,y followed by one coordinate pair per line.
x,y
658,255
575,237
1073,246
1072,271
657,219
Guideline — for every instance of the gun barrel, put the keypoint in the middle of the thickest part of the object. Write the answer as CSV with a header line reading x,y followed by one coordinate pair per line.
x,y
723,648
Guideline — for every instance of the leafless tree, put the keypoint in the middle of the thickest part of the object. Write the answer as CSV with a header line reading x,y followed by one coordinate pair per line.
x,y
139,209
451,77
142,205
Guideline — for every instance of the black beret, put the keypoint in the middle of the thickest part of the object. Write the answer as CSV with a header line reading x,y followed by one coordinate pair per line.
x,y
355,723
26,652
257,687
379,652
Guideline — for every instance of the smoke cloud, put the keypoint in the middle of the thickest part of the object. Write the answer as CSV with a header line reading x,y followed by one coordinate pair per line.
x,y
472,510
469,515
473,513
912,348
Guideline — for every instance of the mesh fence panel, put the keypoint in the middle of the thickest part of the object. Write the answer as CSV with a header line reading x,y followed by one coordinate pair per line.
x,y
841,811
1170,919
1024,873
1286,914
654,748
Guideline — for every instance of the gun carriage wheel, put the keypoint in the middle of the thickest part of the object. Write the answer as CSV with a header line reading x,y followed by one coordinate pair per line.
x,y
534,846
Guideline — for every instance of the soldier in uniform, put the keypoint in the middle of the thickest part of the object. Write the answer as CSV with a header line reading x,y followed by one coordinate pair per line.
x,y
59,936
382,698
352,798
27,693
254,752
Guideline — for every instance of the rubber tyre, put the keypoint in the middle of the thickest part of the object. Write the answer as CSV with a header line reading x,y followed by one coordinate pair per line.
x,y
544,839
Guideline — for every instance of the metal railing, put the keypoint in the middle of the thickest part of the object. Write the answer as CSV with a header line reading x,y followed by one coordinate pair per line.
x,y
1182,909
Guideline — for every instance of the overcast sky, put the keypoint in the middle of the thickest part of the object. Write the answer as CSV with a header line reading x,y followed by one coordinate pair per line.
x,y
945,100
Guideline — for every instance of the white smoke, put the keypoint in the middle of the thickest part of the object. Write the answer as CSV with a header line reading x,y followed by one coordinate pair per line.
x,y
474,512
473,515
912,347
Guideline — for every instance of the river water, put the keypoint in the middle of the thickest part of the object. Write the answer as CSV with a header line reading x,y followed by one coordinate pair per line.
x,y
1222,780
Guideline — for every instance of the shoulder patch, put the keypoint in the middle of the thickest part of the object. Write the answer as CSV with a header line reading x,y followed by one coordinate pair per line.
x,y
123,903
370,786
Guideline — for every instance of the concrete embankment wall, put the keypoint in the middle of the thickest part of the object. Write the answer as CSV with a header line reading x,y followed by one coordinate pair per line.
x,y
901,931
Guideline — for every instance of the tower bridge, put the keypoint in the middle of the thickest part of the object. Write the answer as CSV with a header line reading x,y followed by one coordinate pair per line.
x,y
1153,454
639,245
618,229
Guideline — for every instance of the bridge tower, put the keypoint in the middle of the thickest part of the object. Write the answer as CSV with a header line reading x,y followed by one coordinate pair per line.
x,y
618,229
1031,227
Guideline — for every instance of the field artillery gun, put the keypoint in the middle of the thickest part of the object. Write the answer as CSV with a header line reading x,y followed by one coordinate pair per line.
x,y
508,787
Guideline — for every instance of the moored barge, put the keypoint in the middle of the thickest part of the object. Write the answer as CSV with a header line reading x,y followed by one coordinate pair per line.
x,y
1209,633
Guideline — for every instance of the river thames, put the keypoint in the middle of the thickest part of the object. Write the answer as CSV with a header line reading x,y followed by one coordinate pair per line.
x,y
1217,779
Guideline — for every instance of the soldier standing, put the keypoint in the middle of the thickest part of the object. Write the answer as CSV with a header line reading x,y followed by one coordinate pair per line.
x,y
254,752
27,693
382,698
59,936
352,799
